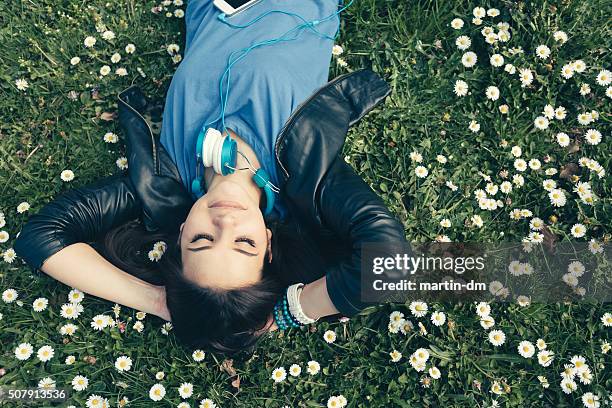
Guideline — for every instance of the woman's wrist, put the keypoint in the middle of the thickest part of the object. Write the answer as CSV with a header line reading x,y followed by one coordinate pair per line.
x,y
315,301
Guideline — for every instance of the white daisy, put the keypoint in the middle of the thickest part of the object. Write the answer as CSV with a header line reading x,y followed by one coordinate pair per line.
x,y
185,390
313,367
463,42
438,318
592,137
418,309
492,93
509,68
67,175
40,304
461,88
329,336
560,36
123,363
497,337
557,198
469,59
9,295
456,23
541,122
526,77
563,139
567,71
421,171
80,383
45,353
526,349
545,357
157,392
604,77
474,126
542,52
23,351
279,374
578,230
89,41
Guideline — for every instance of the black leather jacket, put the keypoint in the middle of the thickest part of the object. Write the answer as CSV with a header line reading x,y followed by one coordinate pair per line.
x,y
322,193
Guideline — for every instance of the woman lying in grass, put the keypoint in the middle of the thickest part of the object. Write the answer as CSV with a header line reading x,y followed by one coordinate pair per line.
x,y
229,262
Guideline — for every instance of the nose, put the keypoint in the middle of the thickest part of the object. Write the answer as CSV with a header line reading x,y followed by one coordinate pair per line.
x,y
224,219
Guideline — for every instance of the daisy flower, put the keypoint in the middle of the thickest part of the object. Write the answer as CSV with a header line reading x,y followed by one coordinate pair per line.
x,y
604,77
438,318
606,319
560,36
463,42
535,164
70,360
509,68
418,309
21,84
68,329
105,70
492,12
45,353
9,256
578,230
40,304
497,60
497,337
337,50
421,171
456,23
483,309
542,52
80,383
122,162
435,373
445,223
96,401
592,137
541,122
75,296
595,247
526,349
198,355
461,88
526,77
545,357
395,356
46,382
487,322
563,139
474,126
590,400
520,165
130,48
567,71
477,221
313,367
585,89
492,93
549,111
557,198
479,12
568,386
67,175
469,59
9,295
279,374
207,403
329,336
541,344
23,207
123,363
111,137
157,392
503,109
560,113
185,390
23,351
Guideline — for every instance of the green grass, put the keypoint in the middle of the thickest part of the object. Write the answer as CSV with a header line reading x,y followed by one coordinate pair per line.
x,y
411,44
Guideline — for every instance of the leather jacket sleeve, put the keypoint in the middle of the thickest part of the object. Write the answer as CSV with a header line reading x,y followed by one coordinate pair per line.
x,y
156,180
354,212
77,215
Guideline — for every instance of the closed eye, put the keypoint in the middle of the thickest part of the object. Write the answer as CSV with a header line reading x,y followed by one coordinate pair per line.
x,y
202,236
247,240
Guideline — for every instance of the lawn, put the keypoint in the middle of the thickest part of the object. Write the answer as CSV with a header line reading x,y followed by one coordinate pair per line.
x,y
489,134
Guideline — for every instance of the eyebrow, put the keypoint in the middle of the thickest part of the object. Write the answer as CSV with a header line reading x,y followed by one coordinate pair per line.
x,y
235,249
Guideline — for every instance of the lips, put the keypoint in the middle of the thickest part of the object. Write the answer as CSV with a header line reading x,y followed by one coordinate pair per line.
x,y
226,204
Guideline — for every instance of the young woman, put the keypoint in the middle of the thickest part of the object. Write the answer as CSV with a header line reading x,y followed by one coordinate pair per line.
x,y
227,274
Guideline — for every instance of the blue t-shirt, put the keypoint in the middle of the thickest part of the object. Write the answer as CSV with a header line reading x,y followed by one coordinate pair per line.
x,y
265,86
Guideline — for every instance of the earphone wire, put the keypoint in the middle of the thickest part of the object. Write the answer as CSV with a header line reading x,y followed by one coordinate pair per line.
x,y
307,24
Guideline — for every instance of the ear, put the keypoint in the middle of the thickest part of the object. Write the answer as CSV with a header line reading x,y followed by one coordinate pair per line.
x,y
181,228
269,247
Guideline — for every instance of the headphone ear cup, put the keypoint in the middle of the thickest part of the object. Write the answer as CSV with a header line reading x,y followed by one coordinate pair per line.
x,y
208,146
216,155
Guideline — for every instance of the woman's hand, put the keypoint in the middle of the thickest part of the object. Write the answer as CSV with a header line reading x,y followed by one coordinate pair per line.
x,y
161,308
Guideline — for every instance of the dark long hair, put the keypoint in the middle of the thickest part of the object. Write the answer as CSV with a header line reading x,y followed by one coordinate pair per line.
x,y
214,319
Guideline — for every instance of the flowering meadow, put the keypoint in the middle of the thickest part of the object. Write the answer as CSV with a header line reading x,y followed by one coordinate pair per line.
x,y
497,129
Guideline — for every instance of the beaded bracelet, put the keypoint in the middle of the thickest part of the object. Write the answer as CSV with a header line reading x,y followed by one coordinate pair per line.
x,y
282,316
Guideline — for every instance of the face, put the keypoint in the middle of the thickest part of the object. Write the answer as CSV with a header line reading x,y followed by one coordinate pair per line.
x,y
224,239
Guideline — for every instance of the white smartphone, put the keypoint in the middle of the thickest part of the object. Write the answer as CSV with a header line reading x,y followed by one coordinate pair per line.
x,y
231,7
